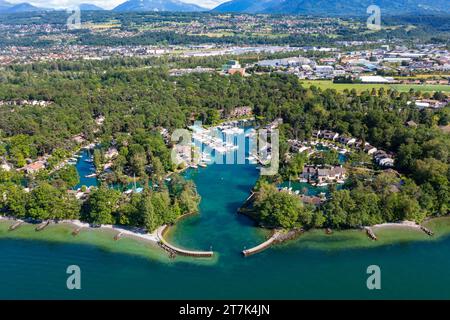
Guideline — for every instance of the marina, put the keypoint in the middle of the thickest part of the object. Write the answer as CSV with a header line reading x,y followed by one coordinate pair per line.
x,y
297,268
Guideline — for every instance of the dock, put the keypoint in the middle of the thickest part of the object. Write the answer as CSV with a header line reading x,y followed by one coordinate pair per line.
x,y
76,231
42,226
174,250
118,236
370,233
427,231
15,225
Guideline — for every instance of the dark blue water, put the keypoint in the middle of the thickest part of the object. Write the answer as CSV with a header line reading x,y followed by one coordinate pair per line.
x,y
37,270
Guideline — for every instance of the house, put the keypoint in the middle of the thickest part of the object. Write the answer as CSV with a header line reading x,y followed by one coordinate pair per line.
x,y
383,159
34,167
369,149
316,133
329,135
233,67
111,153
333,174
347,140
386,162
298,146
323,175
375,79
241,112
428,103
324,70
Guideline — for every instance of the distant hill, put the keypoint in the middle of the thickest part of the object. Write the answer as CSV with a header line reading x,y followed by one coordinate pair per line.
x,y
247,6
90,7
335,7
157,5
6,7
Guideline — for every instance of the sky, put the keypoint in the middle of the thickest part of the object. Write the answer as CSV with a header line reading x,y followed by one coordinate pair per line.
x,y
107,4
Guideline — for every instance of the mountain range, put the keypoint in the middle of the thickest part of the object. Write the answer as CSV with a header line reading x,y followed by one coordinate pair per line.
x,y
158,5
305,7
335,7
90,7
6,7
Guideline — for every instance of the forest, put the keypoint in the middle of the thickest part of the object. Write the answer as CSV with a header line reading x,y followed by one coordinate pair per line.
x,y
137,102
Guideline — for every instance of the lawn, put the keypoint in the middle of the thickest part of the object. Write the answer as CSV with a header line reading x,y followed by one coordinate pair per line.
x,y
328,84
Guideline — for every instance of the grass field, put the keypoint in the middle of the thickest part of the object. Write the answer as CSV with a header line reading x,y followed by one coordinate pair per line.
x,y
328,84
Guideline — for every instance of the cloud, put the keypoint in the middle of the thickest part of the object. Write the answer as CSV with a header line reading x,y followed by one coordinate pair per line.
x,y
107,4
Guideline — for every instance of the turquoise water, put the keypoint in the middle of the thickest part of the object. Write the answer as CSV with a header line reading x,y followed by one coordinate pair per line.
x,y
33,269
84,169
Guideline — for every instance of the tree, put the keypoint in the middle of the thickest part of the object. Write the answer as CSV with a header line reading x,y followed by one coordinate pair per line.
x,y
46,202
13,200
280,209
407,155
188,200
161,205
151,219
137,159
337,209
102,204
98,159
295,166
69,175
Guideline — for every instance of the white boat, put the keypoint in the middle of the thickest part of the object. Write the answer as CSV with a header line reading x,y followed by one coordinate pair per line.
x,y
139,190
323,184
91,175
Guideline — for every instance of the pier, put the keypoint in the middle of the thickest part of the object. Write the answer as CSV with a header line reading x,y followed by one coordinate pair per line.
x,y
277,237
42,226
16,225
370,233
174,250
427,231
263,246
76,231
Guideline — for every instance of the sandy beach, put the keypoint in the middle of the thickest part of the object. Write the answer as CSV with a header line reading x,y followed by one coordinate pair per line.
x,y
136,233
405,224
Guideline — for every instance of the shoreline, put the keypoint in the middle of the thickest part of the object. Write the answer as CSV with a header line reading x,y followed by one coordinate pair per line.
x,y
423,234
405,224
390,233
123,231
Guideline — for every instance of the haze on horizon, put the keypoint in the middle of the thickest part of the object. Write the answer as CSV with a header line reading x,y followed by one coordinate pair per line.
x,y
106,4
